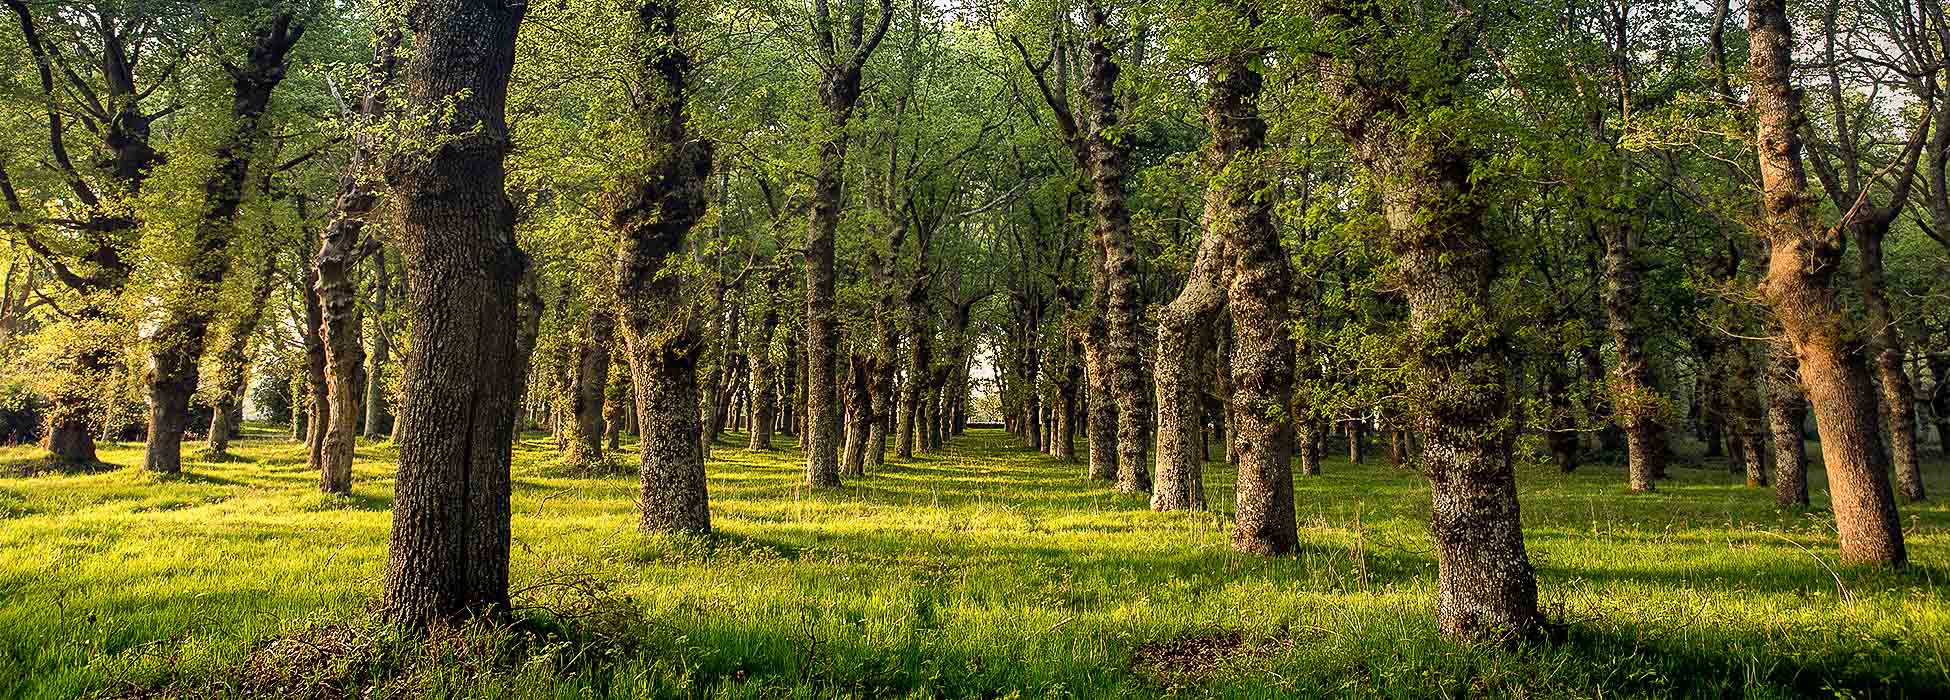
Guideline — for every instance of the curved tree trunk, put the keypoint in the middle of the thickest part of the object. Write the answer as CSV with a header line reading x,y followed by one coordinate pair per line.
x,y
1460,354
177,349
1186,322
340,247
455,228
1800,287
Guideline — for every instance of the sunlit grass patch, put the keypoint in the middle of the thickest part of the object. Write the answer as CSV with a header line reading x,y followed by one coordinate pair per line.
x,y
978,571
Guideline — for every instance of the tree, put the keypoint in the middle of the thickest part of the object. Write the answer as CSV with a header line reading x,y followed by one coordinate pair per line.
x,y
844,44
1392,118
176,348
1803,261
455,227
341,246
653,207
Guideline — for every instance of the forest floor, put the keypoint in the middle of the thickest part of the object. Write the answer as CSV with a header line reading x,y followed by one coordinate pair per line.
x,y
979,571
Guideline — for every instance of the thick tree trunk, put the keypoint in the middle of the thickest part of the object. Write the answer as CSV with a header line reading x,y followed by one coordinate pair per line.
x,y
1186,322
177,349
653,210
1109,158
920,353
590,383
1800,287
455,228
1460,354
340,247
839,92
1068,392
1261,288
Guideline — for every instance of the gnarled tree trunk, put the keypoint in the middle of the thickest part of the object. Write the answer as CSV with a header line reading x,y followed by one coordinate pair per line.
x,y
654,210
177,346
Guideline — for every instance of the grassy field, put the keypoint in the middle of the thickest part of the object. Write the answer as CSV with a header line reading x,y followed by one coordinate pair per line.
x,y
981,571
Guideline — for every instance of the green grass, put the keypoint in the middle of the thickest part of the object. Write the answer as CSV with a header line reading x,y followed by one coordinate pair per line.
x,y
981,571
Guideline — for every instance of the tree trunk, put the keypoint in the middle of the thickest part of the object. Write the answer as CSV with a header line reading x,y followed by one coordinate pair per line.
x,y
376,413
587,388
859,415
177,349
1636,404
1186,322
1786,411
1460,352
340,246
654,210
764,382
1109,158
1939,364
455,228
1886,342
1101,420
1261,288
1800,287
317,403
233,364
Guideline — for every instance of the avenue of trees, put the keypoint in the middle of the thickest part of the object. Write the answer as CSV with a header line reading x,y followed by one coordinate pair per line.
x,y
1151,238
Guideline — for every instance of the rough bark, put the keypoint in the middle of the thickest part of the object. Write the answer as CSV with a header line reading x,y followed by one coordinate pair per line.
x,y
839,92
341,245
455,227
1800,286
1186,322
1124,312
1240,207
654,211
1459,350
1635,403
177,347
